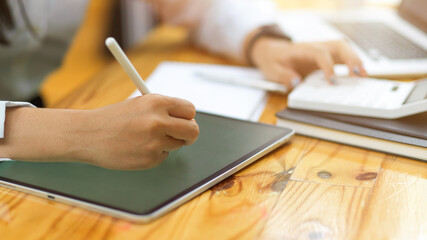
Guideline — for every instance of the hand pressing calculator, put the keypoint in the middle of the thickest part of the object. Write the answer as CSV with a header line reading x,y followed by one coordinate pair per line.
x,y
360,96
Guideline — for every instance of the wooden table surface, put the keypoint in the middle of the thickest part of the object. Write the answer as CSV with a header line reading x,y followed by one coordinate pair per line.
x,y
307,189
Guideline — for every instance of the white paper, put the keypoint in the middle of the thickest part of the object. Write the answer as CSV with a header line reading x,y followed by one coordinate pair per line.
x,y
179,79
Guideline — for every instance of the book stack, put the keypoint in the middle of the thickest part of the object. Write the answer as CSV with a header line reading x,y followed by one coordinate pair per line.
x,y
405,136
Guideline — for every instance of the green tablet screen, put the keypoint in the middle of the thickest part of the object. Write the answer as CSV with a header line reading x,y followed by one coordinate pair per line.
x,y
223,143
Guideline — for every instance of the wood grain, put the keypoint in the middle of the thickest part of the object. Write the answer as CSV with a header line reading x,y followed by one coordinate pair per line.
x,y
307,189
397,207
308,210
338,164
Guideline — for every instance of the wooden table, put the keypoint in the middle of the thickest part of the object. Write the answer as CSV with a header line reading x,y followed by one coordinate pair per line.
x,y
307,189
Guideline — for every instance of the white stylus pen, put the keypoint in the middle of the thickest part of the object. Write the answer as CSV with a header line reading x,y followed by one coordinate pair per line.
x,y
121,57
245,81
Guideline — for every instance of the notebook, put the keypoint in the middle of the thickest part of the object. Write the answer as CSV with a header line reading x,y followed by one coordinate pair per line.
x,y
182,80
405,136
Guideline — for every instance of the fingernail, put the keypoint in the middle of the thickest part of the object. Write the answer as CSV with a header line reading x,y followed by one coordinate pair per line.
x,y
356,70
295,82
333,80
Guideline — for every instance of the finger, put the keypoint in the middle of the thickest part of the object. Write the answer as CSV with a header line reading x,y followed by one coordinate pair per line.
x,y
357,70
287,76
363,71
159,158
170,144
185,130
347,56
325,62
181,108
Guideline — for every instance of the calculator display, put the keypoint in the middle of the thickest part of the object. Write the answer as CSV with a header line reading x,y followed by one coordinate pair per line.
x,y
418,93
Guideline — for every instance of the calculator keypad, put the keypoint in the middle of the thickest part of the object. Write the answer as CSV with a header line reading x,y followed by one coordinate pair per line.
x,y
352,91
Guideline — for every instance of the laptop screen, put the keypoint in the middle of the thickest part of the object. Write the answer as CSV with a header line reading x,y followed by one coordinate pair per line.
x,y
415,11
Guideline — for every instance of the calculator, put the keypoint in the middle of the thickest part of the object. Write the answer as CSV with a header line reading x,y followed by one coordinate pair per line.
x,y
368,97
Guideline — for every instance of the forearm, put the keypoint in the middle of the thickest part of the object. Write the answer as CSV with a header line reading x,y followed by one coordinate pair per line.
x,y
134,134
33,134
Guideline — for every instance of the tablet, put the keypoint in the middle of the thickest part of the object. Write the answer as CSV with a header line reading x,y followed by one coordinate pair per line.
x,y
224,146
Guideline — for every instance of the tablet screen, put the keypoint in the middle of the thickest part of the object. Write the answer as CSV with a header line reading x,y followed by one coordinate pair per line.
x,y
223,143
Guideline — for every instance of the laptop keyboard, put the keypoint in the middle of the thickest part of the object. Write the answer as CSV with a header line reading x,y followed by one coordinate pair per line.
x,y
379,40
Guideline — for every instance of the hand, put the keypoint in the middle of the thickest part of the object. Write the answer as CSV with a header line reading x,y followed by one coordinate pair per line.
x,y
140,132
134,134
287,63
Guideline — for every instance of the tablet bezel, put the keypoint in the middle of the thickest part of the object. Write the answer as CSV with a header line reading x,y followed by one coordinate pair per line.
x,y
169,204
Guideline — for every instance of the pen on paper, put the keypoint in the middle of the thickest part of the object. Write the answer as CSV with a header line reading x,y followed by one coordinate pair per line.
x,y
124,61
244,81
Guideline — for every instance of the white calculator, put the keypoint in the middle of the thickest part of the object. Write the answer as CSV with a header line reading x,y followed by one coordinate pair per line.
x,y
360,96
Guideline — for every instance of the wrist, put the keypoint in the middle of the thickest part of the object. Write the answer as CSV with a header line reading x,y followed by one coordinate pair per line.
x,y
82,135
72,135
34,134
259,35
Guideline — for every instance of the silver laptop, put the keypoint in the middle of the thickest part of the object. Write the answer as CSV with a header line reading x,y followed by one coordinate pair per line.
x,y
391,43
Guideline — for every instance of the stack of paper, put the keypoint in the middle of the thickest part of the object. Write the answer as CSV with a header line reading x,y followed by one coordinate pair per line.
x,y
181,80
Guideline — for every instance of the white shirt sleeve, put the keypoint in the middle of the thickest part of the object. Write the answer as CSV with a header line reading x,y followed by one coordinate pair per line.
x,y
227,23
219,26
3,105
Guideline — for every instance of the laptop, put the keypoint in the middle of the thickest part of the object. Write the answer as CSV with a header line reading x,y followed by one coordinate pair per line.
x,y
391,43
224,146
